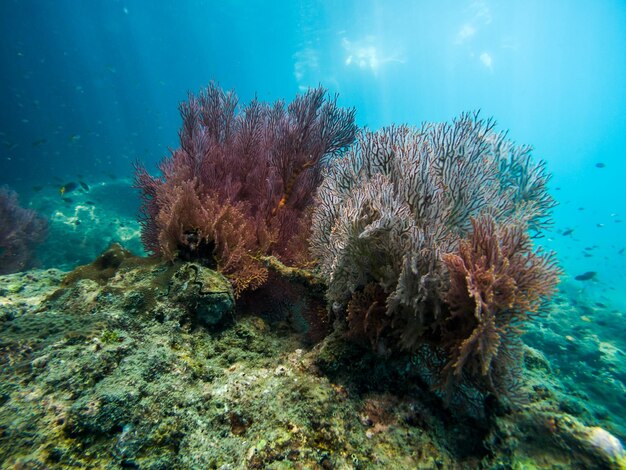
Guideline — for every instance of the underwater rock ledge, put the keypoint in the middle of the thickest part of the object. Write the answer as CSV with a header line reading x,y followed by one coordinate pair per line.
x,y
133,363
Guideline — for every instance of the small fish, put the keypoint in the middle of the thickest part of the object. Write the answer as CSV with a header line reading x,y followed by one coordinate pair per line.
x,y
587,309
567,232
90,203
621,252
586,276
39,142
600,165
581,208
68,200
74,138
37,188
600,304
84,185
67,188
587,255
599,225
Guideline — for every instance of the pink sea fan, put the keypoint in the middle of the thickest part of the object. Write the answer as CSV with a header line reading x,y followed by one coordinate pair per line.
x,y
391,217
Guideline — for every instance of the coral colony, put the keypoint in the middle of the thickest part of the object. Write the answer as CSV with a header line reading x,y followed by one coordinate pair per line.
x,y
21,230
422,236
242,182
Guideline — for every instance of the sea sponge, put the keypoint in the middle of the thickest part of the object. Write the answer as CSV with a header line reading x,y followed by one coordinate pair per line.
x,y
607,444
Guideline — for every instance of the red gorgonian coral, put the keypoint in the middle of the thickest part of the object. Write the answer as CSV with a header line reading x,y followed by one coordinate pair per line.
x,y
497,282
242,181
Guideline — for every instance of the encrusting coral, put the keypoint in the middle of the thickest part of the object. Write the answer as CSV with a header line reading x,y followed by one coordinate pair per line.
x,y
241,184
413,227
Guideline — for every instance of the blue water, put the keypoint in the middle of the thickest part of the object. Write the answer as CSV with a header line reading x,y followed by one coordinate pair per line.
x,y
88,87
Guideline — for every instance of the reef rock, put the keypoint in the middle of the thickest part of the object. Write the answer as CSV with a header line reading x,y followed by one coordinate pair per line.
x,y
135,363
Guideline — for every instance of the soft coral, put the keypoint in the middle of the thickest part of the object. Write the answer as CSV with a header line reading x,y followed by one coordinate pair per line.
x,y
242,181
497,282
20,231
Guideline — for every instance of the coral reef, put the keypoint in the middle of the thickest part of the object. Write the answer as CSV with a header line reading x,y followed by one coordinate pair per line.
x,y
21,230
114,366
588,354
391,217
242,182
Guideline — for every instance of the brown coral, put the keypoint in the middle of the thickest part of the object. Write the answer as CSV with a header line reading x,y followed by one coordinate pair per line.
x,y
497,282
367,316
221,235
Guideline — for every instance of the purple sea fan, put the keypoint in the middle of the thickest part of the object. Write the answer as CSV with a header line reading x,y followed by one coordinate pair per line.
x,y
263,162
21,230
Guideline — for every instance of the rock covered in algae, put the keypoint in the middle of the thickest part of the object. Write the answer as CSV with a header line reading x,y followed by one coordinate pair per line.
x,y
205,291
584,347
205,295
121,364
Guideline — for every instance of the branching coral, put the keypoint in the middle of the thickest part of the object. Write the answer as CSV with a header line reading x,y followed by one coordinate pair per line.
x,y
21,230
242,181
399,203
496,283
